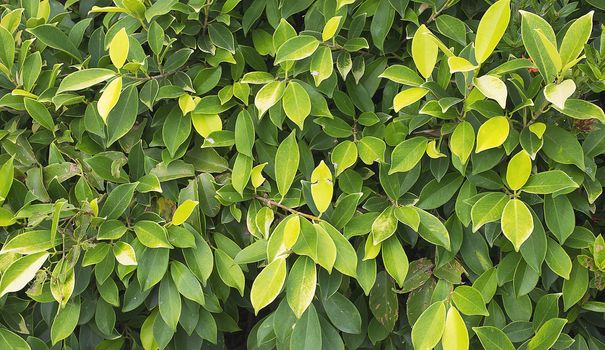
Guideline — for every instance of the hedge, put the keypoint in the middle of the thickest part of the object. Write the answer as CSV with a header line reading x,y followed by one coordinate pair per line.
x,y
302,174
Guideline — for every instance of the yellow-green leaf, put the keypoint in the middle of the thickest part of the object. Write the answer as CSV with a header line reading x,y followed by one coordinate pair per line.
x,y
424,51
296,103
109,98
518,171
268,96
492,133
20,272
538,129
330,28
455,334
344,155
551,50
118,48
322,187
407,97
256,175
463,141
492,87
183,212
268,284
491,29
206,124
432,151
517,222
187,103
291,231
459,64
322,64
428,329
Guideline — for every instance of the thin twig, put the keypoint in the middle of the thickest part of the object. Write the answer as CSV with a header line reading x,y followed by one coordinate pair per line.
x,y
271,203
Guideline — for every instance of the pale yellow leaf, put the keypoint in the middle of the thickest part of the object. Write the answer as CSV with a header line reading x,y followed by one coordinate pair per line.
x,y
109,98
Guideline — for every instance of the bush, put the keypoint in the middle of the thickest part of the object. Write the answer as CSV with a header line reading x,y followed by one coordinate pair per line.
x,y
302,174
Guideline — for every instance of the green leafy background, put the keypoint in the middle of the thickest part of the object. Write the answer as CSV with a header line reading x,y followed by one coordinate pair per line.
x,y
302,174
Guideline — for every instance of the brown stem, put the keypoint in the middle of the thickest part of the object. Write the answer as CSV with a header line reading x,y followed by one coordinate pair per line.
x,y
271,203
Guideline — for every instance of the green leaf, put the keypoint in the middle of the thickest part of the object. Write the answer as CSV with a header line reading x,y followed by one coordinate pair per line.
x,y
491,28
433,230
576,286
122,117
517,222
296,48
538,46
557,259
9,340
39,113
559,216
6,178
548,182
428,329
452,27
395,260
221,36
21,272
407,154
84,78
562,146
296,103
306,334
424,51
7,53
229,271
151,234
547,335
469,301
580,109
159,8
169,302
118,200
384,225
575,38
286,160
29,242
268,284
301,284
492,338
55,38
343,156
371,149
65,321
402,75
343,314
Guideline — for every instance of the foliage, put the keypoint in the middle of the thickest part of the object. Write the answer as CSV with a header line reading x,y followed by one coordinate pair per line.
x,y
302,174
